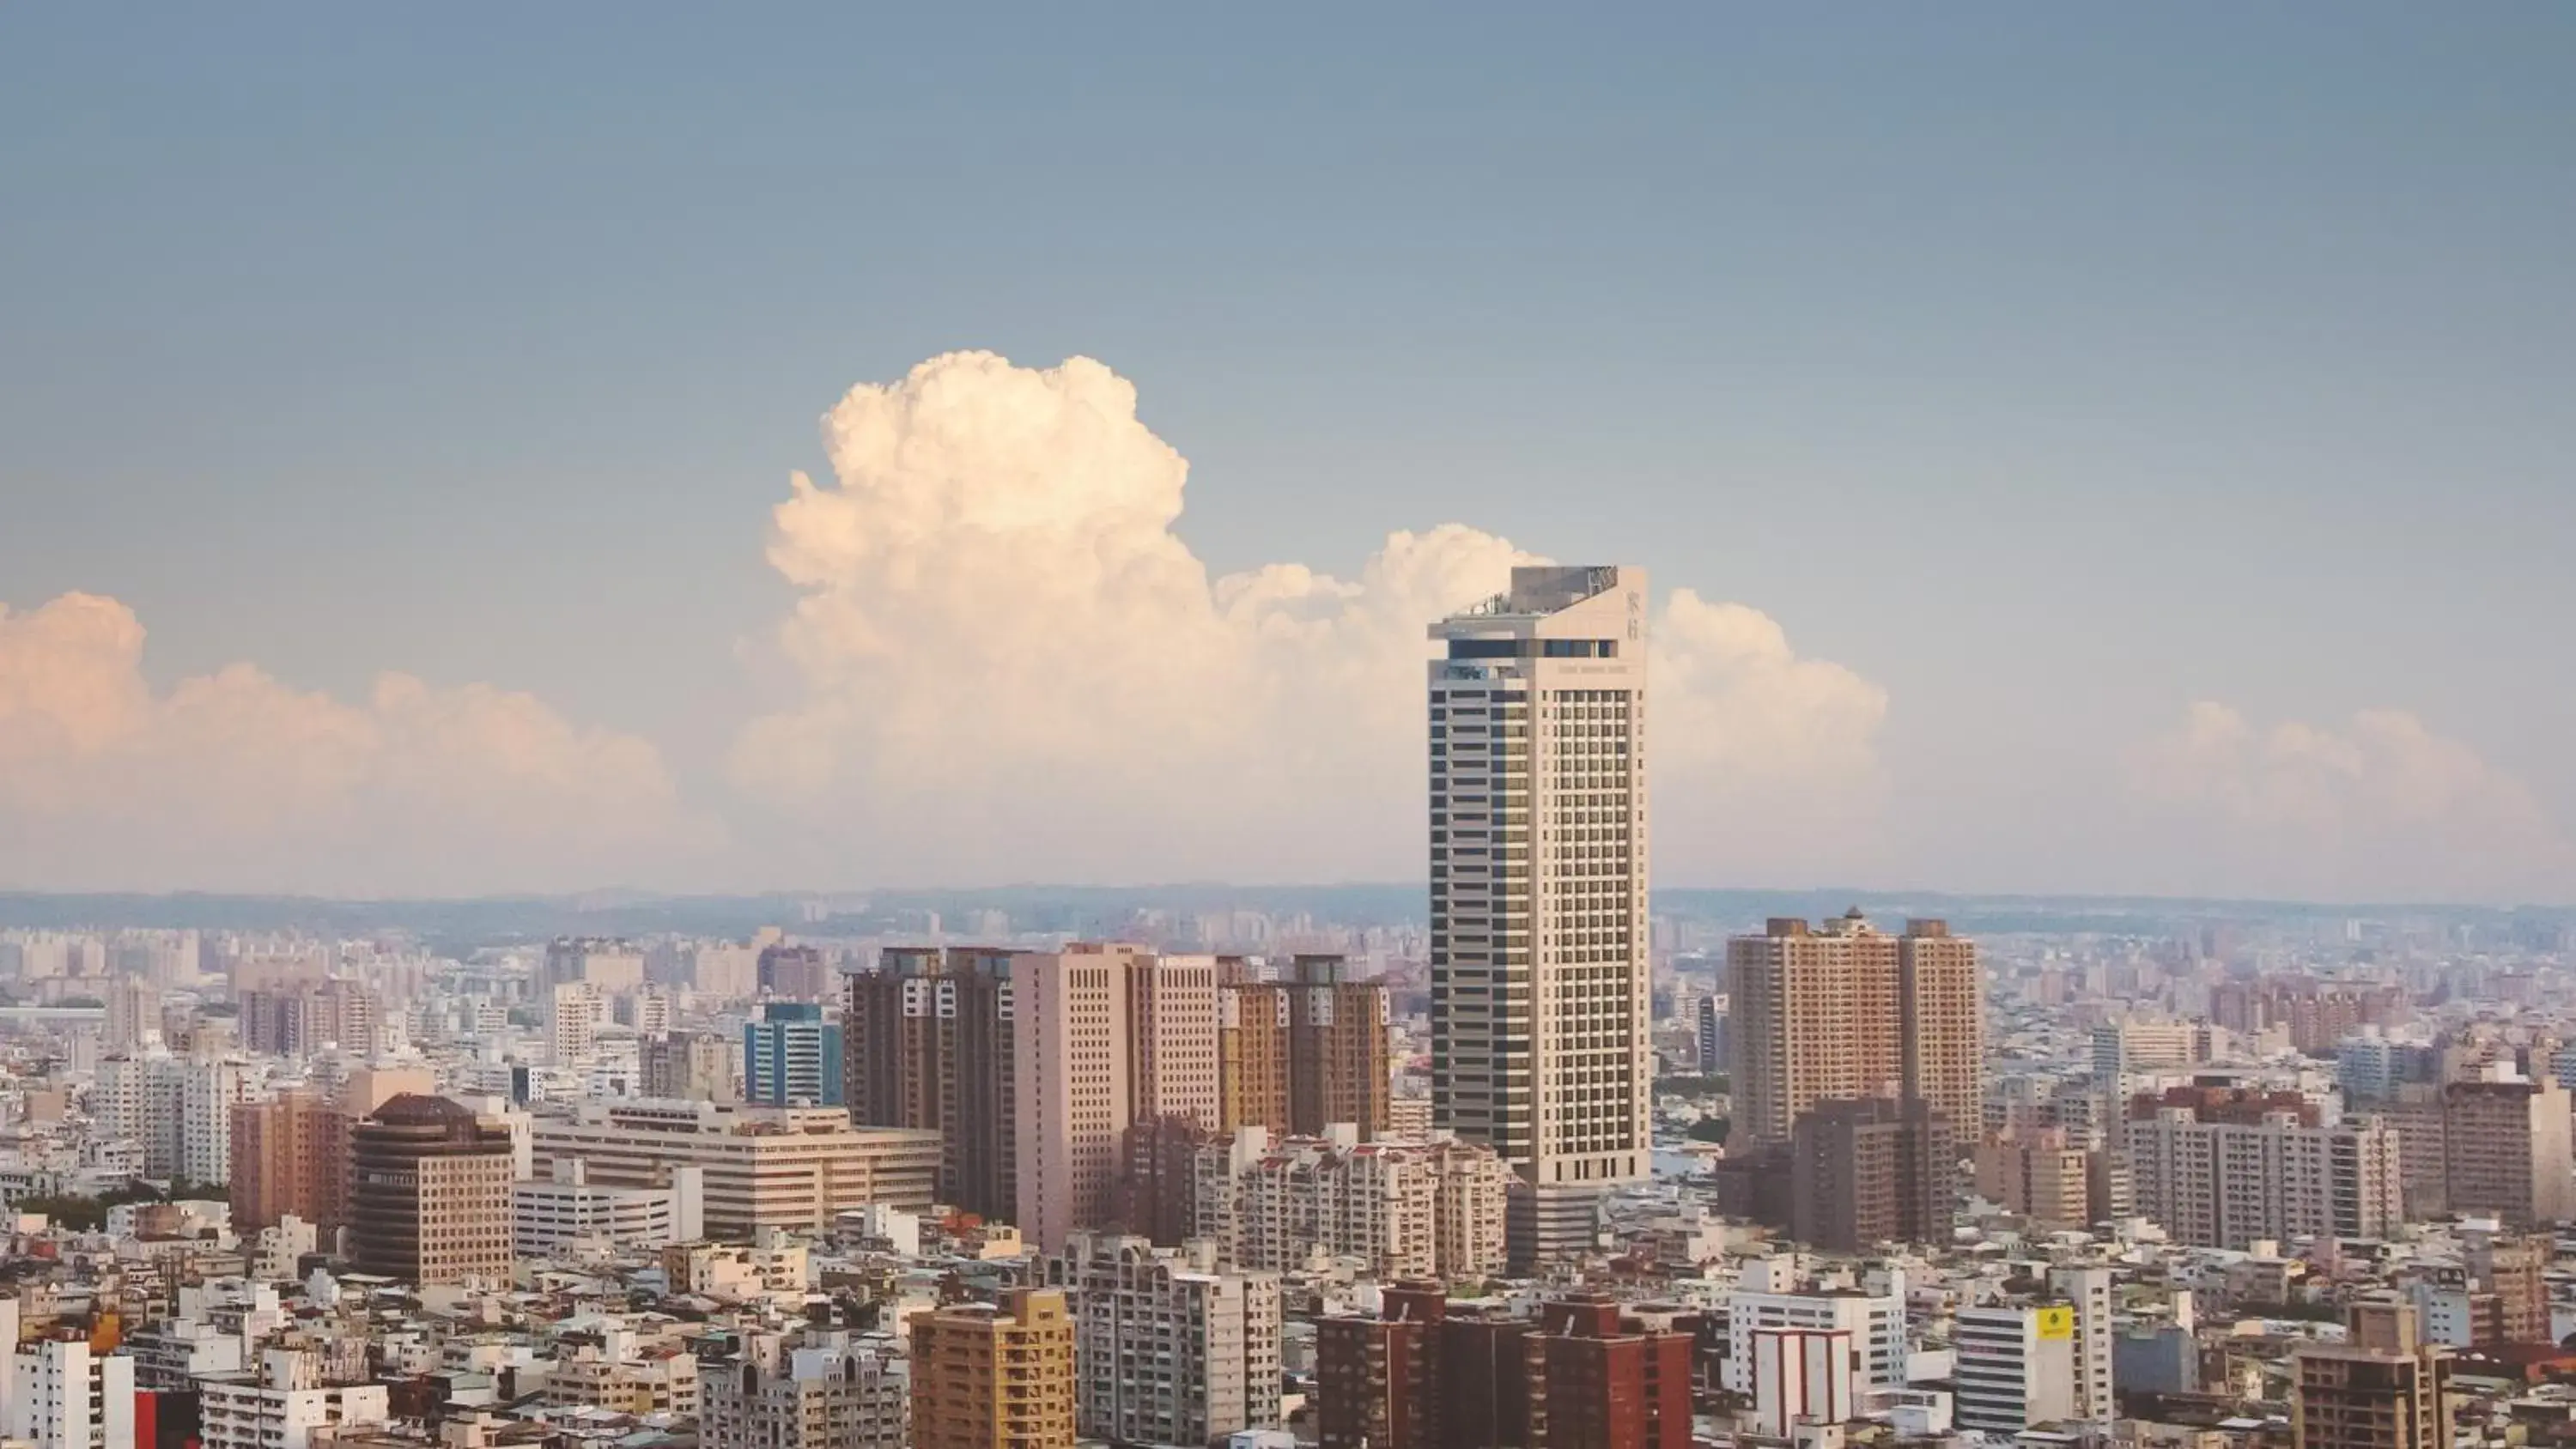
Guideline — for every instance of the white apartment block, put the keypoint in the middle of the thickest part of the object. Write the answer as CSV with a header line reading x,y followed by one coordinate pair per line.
x,y
1868,1326
573,1013
2016,1368
62,1396
178,1109
1168,1348
1409,1210
831,1392
2087,1292
2231,1184
1539,931
566,1211
282,1405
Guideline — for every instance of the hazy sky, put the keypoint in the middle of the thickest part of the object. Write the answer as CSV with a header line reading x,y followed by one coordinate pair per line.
x,y
2108,448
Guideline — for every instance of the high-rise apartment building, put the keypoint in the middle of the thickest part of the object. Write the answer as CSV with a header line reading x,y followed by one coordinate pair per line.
x,y
791,1057
2038,1174
1073,1077
1873,1171
2506,1151
824,1391
1172,1039
299,1017
1305,1051
574,1011
1072,1035
429,1193
1169,1348
1408,1210
177,1109
1539,934
930,1046
289,1158
994,1377
1844,1010
2382,1388
2223,1168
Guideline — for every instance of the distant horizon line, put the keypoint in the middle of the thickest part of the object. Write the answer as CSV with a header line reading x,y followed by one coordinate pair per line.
x,y
604,897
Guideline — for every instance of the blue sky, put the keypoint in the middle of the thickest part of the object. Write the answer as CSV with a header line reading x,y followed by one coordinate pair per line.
x,y
2053,368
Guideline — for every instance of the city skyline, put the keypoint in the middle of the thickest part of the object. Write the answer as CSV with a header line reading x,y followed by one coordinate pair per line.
x,y
2013,532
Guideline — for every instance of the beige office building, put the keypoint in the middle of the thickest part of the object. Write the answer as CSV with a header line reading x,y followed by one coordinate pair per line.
x,y
765,1167
1172,1036
429,1193
1539,934
1843,1010
988,1377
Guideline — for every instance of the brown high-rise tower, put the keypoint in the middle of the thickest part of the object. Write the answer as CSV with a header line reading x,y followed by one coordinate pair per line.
x,y
1844,1011
928,1045
1304,1053
289,1156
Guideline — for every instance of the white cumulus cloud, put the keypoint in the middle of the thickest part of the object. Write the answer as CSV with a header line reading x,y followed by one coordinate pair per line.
x,y
1006,665
234,781
2381,807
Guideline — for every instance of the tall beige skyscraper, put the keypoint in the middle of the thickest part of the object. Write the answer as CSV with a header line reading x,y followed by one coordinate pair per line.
x,y
1842,1010
1538,890
1074,1084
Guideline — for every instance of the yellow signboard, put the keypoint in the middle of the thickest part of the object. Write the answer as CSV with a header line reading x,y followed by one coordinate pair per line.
x,y
2056,1325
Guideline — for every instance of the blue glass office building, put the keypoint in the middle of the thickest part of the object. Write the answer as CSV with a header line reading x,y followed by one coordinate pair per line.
x,y
791,1057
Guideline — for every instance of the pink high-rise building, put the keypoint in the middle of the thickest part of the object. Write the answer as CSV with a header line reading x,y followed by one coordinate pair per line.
x,y
1070,1028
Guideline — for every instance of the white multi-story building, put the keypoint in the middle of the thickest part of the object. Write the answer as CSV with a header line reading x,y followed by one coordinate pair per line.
x,y
2087,1291
1407,1209
574,1011
794,1167
2016,1367
280,1406
567,1210
2229,1184
829,1392
179,1110
1539,932
62,1396
1168,1347
1870,1325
